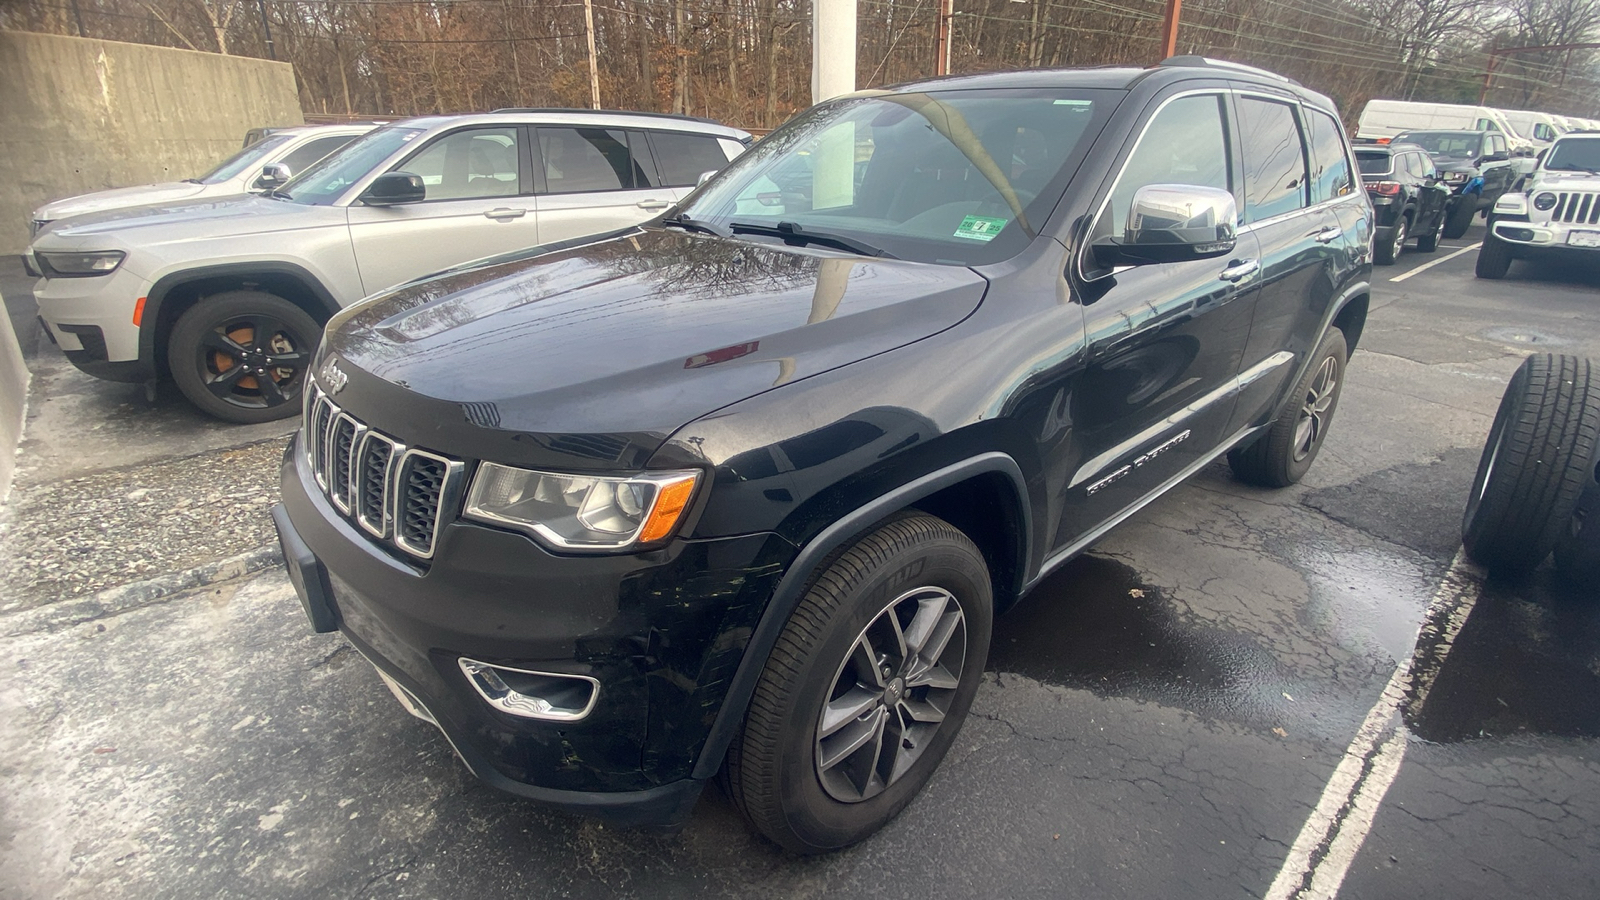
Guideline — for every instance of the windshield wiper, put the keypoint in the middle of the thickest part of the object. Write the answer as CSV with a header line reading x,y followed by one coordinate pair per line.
x,y
1574,167
682,220
792,233
193,181
279,194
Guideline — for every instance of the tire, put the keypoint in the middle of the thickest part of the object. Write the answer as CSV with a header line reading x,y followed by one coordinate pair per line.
x,y
775,770
1494,258
1386,253
1458,218
221,363
1427,243
1282,455
1577,551
1535,465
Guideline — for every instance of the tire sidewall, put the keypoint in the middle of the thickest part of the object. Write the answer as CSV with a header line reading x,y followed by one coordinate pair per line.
x,y
823,822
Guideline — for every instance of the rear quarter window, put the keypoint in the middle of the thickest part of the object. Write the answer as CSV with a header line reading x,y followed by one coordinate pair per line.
x,y
682,158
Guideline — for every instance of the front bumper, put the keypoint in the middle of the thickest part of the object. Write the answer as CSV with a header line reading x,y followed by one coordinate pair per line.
x,y
92,320
662,632
1548,235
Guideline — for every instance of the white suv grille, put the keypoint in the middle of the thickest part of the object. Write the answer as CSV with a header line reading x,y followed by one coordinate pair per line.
x,y
1577,208
395,493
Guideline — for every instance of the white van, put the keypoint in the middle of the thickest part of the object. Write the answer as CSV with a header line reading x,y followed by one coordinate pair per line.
x,y
1540,128
1384,119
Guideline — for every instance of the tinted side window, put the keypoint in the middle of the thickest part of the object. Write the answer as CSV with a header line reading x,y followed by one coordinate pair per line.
x,y
588,159
683,157
1274,159
1185,143
1331,177
1424,166
311,151
479,162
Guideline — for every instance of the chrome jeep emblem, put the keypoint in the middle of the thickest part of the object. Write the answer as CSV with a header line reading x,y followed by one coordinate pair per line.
x,y
332,377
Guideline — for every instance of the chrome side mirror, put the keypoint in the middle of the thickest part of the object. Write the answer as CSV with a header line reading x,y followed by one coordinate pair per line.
x,y
1173,223
273,176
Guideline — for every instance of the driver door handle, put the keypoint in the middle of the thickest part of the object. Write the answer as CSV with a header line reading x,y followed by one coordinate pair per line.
x,y
1328,235
1239,270
652,204
504,213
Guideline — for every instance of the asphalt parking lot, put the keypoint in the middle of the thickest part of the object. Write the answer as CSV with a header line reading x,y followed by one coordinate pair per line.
x,y
1227,697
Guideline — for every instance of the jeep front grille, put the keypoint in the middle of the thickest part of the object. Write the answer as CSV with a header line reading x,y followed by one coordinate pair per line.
x,y
1577,208
395,493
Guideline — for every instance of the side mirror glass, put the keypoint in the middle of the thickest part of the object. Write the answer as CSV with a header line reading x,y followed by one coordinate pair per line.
x,y
1173,223
273,176
705,177
392,188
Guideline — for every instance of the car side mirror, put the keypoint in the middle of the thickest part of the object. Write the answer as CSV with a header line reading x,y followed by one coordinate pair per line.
x,y
1173,223
273,176
1493,158
705,177
393,188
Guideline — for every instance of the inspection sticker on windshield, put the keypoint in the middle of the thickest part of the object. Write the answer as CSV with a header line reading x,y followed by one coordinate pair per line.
x,y
980,228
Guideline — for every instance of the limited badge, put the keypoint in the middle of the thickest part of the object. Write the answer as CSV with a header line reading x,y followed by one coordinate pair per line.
x,y
980,228
332,377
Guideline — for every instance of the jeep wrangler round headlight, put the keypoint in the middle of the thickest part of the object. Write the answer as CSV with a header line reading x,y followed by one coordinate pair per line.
x,y
55,263
1544,201
581,512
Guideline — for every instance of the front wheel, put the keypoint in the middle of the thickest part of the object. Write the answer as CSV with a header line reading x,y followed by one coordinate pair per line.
x,y
1282,455
1427,243
1494,258
242,356
1458,218
866,688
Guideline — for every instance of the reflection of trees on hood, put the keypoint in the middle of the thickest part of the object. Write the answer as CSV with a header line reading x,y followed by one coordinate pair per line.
x,y
694,267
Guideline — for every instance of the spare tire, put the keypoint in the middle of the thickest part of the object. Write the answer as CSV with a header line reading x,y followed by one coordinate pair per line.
x,y
1535,466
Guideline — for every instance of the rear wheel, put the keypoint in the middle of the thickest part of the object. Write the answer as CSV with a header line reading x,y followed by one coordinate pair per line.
x,y
1427,243
1535,465
1494,258
242,356
1282,455
866,688
1458,218
1386,253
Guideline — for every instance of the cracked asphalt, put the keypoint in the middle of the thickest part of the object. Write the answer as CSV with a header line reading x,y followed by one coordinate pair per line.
x,y
1159,719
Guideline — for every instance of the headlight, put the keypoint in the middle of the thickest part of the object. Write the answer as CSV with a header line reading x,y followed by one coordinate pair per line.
x,y
1544,201
1457,177
58,264
581,512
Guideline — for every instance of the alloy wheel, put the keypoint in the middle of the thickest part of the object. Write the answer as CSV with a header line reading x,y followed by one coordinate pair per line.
x,y
1314,410
891,694
252,361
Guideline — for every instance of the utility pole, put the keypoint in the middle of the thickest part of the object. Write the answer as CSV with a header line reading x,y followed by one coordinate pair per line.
x,y
833,48
1169,29
77,14
941,62
266,28
594,67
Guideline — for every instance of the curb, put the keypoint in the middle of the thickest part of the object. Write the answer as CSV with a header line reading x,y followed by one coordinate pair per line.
x,y
125,598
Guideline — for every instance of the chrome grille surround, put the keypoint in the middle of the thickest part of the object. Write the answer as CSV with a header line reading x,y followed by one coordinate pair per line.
x,y
1576,208
395,493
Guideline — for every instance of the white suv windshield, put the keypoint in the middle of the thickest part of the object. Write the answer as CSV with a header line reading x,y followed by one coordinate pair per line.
x,y
955,177
326,181
242,160
1575,155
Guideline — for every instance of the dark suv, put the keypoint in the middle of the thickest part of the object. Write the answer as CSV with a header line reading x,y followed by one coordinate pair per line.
x,y
740,490
1476,165
1409,200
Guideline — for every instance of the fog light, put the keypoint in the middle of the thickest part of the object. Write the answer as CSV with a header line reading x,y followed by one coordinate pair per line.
x,y
1517,234
1544,201
532,695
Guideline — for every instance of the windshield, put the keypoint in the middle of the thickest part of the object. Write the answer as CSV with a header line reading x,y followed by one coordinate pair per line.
x,y
1445,144
1582,155
954,177
244,159
1373,163
324,182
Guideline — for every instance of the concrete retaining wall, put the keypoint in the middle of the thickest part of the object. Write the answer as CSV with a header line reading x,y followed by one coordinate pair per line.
x,y
13,401
80,115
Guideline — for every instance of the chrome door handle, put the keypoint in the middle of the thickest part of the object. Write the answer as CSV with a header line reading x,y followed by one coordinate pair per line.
x,y
504,213
652,204
1239,270
1329,234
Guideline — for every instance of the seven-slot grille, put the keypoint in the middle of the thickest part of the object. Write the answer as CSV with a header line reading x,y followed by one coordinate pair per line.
x,y
393,492
1577,208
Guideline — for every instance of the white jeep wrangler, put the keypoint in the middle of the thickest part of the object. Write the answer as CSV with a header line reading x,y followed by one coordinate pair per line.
x,y
1558,213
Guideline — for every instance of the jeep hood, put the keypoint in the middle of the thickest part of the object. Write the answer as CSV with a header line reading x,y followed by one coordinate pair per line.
x,y
222,217
628,338
118,198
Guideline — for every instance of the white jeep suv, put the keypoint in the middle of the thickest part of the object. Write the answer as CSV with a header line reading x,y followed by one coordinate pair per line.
x,y
1558,214
293,148
229,297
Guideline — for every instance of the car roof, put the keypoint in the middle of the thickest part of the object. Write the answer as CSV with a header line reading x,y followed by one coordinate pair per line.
x,y
1391,147
1461,131
591,117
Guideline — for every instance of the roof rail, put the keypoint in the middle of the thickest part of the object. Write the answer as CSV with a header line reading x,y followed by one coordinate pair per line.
x,y
566,111
1208,62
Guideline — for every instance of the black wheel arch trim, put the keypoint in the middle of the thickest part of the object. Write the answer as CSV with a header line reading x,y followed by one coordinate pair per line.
x,y
791,588
163,288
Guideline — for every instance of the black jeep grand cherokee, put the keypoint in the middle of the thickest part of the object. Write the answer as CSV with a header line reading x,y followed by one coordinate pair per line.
x,y
741,490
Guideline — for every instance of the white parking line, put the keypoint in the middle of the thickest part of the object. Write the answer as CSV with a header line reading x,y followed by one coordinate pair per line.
x,y
1443,259
1332,836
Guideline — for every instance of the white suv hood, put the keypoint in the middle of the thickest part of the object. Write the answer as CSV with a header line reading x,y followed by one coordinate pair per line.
x,y
225,217
119,198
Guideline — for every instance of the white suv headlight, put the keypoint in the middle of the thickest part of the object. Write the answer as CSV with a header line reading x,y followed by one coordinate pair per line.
x,y
581,512
63,264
